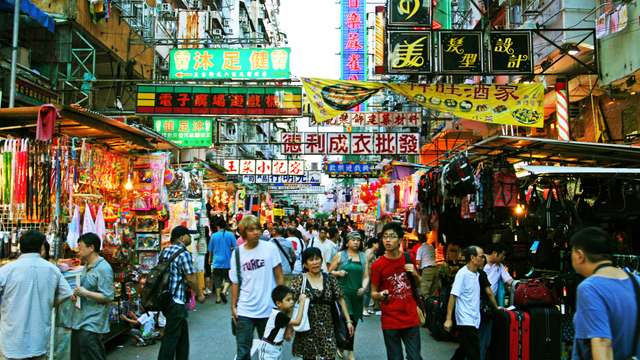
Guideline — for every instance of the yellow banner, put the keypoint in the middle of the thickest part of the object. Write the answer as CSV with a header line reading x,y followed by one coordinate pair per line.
x,y
278,212
330,98
520,105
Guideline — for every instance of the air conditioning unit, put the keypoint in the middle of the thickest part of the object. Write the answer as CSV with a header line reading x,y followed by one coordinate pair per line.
x,y
166,8
216,32
197,4
225,22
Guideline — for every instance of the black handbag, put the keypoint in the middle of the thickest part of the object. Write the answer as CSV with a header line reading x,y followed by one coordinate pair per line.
x,y
233,322
339,320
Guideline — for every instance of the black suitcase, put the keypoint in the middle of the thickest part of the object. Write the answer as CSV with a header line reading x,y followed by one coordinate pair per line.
x,y
510,336
436,316
545,333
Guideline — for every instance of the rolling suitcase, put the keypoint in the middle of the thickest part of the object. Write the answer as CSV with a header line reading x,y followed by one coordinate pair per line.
x,y
545,333
436,316
510,339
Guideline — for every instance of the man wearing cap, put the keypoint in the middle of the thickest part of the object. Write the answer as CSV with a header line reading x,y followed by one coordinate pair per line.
x,y
606,303
175,343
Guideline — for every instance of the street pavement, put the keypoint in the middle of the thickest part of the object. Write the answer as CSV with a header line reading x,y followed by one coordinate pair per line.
x,y
211,339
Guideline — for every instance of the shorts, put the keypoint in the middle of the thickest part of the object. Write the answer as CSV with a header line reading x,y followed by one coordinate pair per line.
x,y
220,276
266,351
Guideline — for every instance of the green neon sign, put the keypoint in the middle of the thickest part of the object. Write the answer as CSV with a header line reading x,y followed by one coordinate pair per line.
x,y
185,132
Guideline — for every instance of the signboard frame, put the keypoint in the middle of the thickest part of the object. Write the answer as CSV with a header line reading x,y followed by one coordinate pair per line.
x,y
466,34
510,33
426,51
392,21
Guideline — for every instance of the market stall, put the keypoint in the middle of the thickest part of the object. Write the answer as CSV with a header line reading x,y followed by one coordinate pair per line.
x,y
67,171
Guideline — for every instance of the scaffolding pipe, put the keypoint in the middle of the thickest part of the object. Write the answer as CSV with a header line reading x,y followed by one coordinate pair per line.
x,y
14,53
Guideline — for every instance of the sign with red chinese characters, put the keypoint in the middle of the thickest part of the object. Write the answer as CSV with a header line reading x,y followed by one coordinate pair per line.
x,y
377,119
264,167
352,143
354,40
281,101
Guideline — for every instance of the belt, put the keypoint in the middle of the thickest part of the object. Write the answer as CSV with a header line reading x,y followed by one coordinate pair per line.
x,y
279,343
430,266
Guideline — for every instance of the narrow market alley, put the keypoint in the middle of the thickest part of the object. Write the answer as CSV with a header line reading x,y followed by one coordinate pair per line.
x,y
210,339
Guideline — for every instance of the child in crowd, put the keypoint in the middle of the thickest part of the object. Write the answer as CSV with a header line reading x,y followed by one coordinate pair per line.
x,y
144,326
280,325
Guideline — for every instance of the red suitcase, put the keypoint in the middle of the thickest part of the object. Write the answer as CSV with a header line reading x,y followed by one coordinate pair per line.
x,y
510,338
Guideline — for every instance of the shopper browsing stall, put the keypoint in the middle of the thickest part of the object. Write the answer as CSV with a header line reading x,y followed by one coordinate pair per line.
x,y
95,293
496,271
30,287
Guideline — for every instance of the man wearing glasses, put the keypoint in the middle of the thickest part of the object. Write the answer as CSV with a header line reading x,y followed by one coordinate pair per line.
x,y
392,287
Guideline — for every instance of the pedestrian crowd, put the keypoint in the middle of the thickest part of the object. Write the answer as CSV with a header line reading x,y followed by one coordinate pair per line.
x,y
310,283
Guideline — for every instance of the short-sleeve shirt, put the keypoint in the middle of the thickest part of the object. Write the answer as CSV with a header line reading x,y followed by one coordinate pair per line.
x,y
220,246
496,272
287,254
29,287
484,283
399,311
426,256
604,309
466,288
276,326
93,316
258,280
178,270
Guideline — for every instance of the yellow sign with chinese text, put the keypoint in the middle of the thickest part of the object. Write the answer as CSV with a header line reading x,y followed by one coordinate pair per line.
x,y
517,104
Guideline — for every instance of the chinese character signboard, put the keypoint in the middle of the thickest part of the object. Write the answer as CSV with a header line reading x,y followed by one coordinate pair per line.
x,y
408,52
520,105
353,143
311,178
511,52
354,40
185,132
461,52
377,119
409,12
264,167
242,63
351,170
219,100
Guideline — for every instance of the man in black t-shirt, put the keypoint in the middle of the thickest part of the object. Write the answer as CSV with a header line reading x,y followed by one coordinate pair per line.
x,y
488,305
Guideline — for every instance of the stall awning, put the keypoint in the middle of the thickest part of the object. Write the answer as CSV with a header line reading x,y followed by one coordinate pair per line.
x,y
570,170
539,151
83,123
28,8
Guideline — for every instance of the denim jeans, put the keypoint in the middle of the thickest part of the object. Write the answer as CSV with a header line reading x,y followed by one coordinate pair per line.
x,y
485,337
87,345
393,340
175,342
244,335
469,348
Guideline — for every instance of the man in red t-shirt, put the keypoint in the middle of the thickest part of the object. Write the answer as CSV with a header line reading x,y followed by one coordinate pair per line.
x,y
391,286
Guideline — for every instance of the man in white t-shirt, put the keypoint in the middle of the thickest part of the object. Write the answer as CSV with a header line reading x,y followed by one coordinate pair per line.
x,y
497,273
260,272
326,246
465,295
426,259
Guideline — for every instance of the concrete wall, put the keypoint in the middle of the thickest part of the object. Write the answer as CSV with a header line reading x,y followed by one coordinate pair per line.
x,y
619,52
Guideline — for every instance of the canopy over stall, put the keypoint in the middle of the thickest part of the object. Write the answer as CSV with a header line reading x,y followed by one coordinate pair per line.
x,y
546,151
83,123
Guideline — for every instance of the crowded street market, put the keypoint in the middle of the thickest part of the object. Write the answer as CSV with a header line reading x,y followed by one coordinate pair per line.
x,y
389,179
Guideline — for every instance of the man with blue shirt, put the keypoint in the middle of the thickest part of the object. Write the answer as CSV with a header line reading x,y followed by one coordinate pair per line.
x,y
29,287
287,254
91,320
606,304
465,295
221,244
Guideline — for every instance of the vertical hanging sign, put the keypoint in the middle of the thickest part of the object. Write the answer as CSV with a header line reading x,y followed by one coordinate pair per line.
x,y
354,41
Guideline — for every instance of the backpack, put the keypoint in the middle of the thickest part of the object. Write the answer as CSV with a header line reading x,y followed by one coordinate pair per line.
x,y
460,176
505,189
155,295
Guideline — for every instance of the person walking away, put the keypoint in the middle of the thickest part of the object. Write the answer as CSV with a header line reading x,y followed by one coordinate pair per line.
x,y
295,237
372,248
175,342
351,268
323,291
221,245
497,273
29,288
90,321
260,271
426,259
465,296
326,246
488,306
391,286
606,302
287,254
280,324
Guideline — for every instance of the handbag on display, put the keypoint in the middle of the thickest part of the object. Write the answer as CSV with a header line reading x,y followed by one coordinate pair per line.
x,y
304,324
532,293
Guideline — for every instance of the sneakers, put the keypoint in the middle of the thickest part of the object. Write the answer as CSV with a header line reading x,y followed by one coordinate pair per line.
x,y
365,312
378,312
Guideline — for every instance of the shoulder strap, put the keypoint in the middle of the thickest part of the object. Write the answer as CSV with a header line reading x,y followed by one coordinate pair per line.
x,y
275,240
407,258
636,290
239,274
344,258
363,259
176,254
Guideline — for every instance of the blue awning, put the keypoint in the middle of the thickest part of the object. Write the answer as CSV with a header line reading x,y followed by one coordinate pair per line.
x,y
27,8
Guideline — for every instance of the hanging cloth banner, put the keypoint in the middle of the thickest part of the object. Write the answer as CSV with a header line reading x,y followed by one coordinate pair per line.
x,y
519,104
